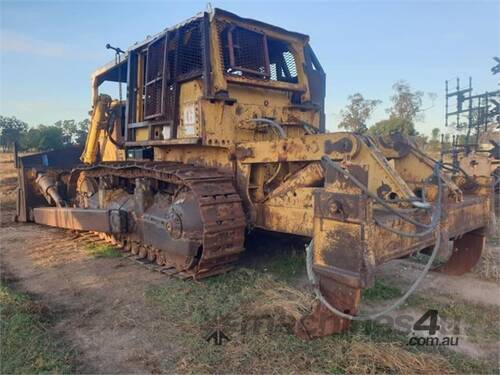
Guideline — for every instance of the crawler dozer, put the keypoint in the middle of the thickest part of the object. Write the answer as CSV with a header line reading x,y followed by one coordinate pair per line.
x,y
222,130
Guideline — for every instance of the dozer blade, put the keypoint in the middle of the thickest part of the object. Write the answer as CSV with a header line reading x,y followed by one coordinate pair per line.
x,y
466,254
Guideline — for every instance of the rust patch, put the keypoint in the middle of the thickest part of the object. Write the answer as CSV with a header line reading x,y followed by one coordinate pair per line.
x,y
396,142
466,253
339,206
343,250
243,152
335,177
343,146
239,110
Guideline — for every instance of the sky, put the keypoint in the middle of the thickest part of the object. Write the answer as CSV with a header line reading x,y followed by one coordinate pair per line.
x,y
49,49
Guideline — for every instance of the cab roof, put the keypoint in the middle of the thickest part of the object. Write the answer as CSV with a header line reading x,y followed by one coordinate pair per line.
x,y
111,68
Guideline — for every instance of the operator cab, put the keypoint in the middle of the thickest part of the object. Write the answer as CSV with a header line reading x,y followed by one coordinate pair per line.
x,y
175,82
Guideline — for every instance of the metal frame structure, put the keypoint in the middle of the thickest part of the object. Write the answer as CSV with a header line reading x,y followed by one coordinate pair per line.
x,y
485,107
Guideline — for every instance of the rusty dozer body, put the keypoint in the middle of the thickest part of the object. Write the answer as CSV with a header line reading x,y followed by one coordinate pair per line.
x,y
223,131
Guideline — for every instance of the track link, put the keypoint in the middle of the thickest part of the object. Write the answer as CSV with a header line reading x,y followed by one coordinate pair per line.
x,y
97,238
220,208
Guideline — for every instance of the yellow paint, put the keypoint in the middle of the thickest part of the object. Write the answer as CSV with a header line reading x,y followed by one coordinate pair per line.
x,y
189,110
97,121
271,174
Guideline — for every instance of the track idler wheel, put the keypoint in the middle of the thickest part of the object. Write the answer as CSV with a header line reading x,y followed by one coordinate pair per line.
x,y
465,255
321,321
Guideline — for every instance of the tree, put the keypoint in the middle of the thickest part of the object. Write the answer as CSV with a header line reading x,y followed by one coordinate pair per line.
x,y
68,128
434,143
62,133
81,132
73,132
31,139
405,110
435,134
357,112
406,105
11,130
52,137
393,125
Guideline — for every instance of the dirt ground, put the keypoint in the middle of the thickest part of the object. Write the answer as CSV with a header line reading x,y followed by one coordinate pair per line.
x,y
99,303
101,306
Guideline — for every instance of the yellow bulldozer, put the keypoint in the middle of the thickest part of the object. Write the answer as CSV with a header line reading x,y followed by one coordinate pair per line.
x,y
222,131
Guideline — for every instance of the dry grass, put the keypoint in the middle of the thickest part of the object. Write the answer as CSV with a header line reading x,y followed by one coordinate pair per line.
x,y
8,185
489,265
370,358
281,301
258,313
489,268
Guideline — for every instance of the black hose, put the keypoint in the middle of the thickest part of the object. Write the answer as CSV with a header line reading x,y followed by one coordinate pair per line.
x,y
272,124
435,228
109,127
325,159
436,216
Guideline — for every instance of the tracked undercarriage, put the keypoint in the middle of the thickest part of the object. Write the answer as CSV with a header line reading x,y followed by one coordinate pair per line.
x,y
176,215
223,131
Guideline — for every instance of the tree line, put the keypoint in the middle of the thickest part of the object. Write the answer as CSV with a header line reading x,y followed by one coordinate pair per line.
x,y
405,110
42,137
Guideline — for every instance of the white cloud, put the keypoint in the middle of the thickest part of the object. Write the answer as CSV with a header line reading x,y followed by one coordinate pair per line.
x,y
15,42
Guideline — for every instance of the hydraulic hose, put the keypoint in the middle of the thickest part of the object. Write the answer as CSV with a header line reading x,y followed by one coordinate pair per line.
x,y
313,280
273,124
433,227
109,130
330,162
436,216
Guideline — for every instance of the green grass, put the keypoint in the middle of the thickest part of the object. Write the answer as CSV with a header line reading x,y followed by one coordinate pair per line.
x,y
494,239
26,345
243,296
103,251
287,267
381,291
482,321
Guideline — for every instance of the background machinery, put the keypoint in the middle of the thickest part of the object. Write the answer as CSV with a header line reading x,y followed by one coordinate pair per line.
x,y
222,131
